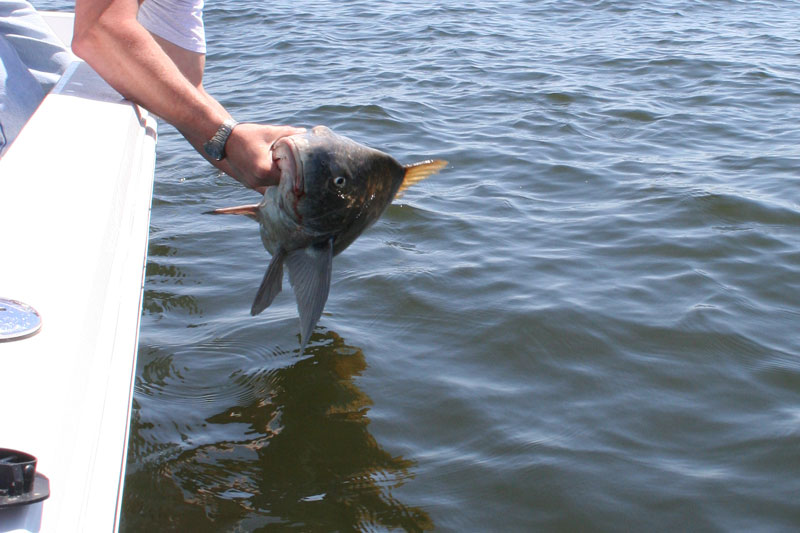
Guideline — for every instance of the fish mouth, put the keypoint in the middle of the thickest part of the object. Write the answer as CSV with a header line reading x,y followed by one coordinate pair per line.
x,y
287,157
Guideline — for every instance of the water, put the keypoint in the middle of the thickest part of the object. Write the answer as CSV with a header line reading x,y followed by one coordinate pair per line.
x,y
587,322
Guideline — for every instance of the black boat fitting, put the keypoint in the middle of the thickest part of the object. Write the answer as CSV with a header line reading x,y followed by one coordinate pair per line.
x,y
20,484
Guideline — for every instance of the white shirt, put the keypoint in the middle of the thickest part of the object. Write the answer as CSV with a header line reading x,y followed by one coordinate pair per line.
x,y
178,21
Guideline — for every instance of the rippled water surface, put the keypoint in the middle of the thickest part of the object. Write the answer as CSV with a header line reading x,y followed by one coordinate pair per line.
x,y
588,321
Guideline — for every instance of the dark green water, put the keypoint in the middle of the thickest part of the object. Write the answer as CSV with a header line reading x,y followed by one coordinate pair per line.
x,y
587,322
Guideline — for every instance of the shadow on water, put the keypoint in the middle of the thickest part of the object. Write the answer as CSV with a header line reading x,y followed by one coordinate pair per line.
x,y
304,459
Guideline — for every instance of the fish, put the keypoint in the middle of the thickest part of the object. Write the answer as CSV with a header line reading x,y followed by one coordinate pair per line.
x,y
331,189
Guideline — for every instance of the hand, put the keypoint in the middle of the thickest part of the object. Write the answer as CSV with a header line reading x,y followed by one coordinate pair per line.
x,y
248,151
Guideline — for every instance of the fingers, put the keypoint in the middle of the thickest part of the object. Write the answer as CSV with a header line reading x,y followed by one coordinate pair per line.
x,y
279,132
249,152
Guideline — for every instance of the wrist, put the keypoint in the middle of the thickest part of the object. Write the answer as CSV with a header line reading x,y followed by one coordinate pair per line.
x,y
215,146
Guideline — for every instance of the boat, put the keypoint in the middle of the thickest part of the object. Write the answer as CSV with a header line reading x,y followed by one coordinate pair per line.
x,y
75,195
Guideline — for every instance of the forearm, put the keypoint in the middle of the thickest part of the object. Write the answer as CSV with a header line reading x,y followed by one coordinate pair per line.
x,y
109,38
143,68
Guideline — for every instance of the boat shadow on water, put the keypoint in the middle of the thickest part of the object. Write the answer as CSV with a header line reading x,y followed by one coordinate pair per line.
x,y
308,461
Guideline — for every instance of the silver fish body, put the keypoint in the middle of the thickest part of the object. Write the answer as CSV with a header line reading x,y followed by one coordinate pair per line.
x,y
331,189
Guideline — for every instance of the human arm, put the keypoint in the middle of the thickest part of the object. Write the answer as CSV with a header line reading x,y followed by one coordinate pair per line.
x,y
167,81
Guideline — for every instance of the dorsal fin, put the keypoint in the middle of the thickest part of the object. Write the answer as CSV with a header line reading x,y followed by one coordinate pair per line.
x,y
417,172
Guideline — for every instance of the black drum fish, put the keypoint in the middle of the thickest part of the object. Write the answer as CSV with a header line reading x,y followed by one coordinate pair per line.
x,y
331,189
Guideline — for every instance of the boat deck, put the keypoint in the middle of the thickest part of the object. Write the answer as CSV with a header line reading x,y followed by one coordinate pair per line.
x,y
75,194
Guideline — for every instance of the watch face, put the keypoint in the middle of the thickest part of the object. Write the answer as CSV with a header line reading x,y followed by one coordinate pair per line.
x,y
215,147
214,150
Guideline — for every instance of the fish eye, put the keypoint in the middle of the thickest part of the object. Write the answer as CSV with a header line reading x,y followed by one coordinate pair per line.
x,y
339,181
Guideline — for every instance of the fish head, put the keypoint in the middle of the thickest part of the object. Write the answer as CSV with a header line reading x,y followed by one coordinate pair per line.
x,y
331,189
335,187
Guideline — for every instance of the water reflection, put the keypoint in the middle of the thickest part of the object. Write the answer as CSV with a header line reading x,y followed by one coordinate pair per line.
x,y
163,270
301,456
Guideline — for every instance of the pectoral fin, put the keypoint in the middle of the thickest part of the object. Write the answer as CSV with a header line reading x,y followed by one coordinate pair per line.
x,y
246,210
271,284
417,172
310,276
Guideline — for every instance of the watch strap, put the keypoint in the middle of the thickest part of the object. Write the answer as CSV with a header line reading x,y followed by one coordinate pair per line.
x,y
215,146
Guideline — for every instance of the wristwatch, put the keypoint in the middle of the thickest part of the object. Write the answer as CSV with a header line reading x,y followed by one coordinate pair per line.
x,y
215,146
